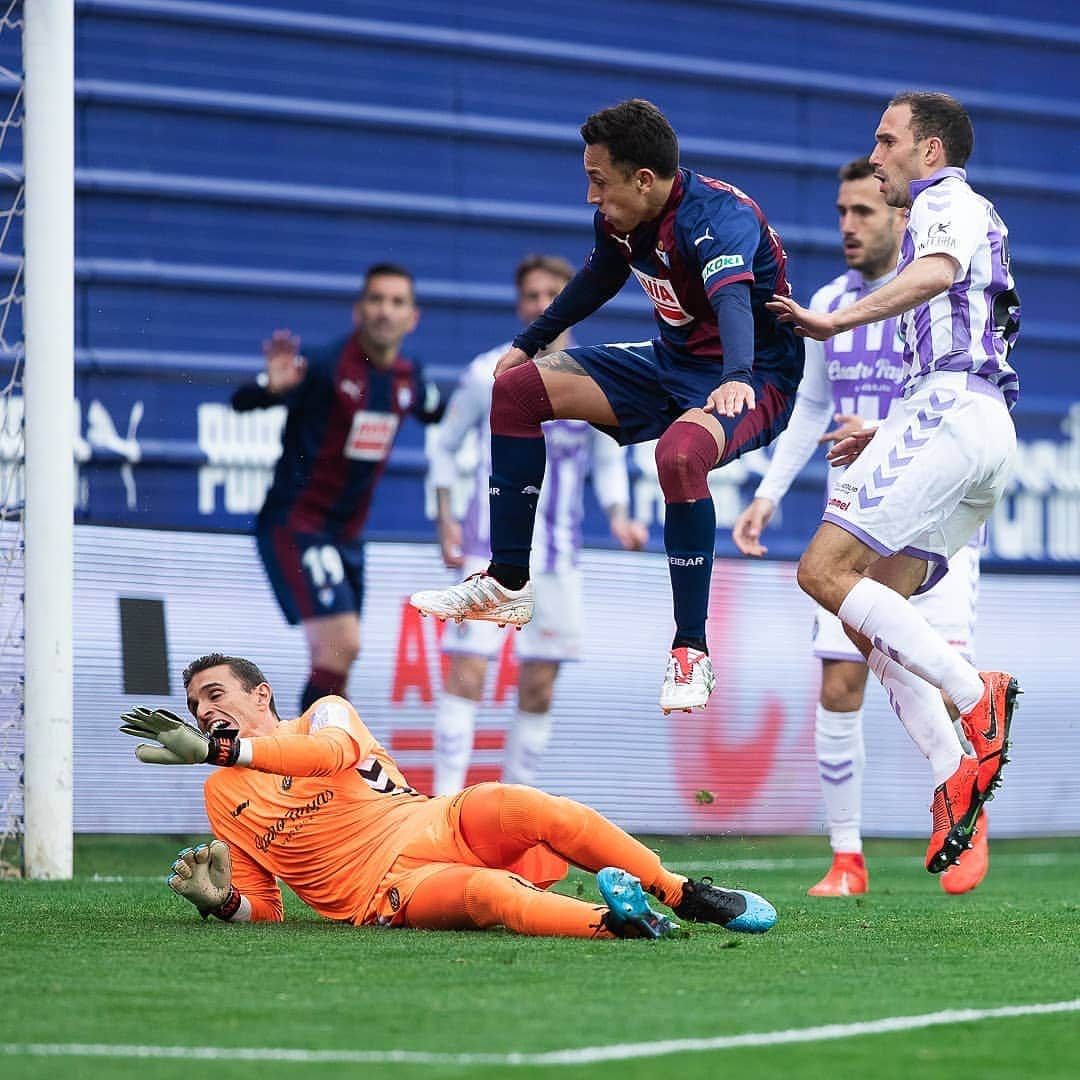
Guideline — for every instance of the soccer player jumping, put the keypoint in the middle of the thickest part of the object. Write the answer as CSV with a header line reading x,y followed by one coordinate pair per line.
x,y
719,380
316,802
924,481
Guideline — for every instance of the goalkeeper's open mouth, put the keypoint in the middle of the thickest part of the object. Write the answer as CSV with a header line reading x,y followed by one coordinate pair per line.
x,y
217,725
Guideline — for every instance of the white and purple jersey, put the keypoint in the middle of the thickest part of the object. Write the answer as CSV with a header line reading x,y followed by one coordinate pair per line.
x,y
574,450
857,373
971,326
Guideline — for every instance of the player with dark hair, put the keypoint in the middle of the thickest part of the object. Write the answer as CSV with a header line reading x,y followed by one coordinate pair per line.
x,y
345,402
318,803
923,482
719,380
852,382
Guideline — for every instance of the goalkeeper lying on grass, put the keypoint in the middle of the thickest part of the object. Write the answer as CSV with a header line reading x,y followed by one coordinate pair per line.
x,y
317,803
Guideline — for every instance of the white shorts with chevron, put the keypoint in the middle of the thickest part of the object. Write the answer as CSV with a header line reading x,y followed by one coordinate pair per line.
x,y
932,474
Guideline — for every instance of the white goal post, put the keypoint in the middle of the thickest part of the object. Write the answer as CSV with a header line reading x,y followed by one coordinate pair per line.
x,y
49,333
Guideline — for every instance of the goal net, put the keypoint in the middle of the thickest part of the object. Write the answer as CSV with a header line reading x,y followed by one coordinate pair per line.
x,y
11,440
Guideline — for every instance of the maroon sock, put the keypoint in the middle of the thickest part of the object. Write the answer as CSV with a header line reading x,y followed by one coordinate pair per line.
x,y
322,683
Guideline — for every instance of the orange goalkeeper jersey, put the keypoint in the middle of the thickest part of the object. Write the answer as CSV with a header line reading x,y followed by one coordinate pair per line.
x,y
323,807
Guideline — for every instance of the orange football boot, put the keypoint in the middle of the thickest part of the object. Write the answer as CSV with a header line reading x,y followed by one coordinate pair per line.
x,y
956,806
973,864
846,877
987,727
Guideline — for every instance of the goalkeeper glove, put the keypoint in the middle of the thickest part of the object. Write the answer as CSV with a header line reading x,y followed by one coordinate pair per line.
x,y
181,742
203,875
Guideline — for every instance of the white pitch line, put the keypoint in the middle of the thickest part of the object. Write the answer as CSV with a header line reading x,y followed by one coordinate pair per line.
x,y
584,1055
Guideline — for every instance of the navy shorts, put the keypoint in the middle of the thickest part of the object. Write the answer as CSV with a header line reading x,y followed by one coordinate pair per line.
x,y
650,387
311,574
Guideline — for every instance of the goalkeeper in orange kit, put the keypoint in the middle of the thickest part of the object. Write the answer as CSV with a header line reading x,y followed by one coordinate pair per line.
x,y
318,803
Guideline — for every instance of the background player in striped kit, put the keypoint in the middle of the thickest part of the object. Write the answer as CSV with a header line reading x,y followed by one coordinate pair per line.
x,y
932,473
574,448
718,380
852,379
345,402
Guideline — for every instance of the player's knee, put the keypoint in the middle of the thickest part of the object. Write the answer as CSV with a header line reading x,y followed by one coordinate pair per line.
x,y
684,455
519,402
810,574
491,897
837,721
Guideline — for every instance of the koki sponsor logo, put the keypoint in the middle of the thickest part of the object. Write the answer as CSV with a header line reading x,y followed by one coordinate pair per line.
x,y
371,435
662,294
721,262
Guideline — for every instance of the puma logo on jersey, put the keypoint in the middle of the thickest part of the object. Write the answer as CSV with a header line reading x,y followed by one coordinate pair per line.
x,y
529,489
707,235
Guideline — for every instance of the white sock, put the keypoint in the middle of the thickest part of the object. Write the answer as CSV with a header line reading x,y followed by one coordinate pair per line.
x,y
525,745
922,712
896,628
838,738
454,724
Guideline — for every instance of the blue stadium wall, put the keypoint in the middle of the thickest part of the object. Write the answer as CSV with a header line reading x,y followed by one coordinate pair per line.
x,y
239,165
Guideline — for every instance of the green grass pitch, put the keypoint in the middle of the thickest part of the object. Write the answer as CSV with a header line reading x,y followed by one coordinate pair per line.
x,y
113,959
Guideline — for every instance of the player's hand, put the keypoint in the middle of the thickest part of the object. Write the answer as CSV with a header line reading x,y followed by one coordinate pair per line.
x,y
509,359
449,532
812,324
730,398
846,424
203,876
632,535
179,743
849,448
750,524
285,367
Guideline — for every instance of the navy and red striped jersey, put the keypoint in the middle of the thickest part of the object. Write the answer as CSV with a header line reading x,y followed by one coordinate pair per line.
x,y
708,235
341,425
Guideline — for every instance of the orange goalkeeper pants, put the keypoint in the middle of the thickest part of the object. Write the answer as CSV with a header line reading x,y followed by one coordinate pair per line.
x,y
499,823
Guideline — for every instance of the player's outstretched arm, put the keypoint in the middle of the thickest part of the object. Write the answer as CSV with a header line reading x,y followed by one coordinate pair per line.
x,y
179,743
203,876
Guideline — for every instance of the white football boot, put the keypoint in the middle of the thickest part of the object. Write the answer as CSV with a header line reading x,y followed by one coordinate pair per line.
x,y
480,597
688,682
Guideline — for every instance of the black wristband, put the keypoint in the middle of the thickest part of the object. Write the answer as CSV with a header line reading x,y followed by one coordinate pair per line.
x,y
229,907
224,747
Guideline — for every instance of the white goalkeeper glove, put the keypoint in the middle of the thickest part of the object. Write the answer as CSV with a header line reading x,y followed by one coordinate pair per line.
x,y
203,875
181,743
